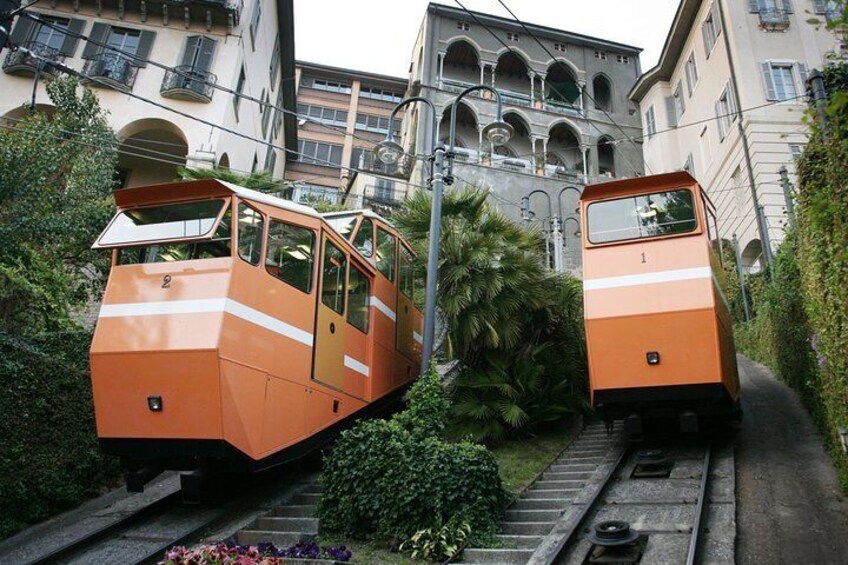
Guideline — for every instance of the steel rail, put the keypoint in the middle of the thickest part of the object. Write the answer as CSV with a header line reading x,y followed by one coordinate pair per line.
x,y
699,511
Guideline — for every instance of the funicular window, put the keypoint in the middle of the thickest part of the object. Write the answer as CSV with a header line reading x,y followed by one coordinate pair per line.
x,y
333,278
643,216
290,255
358,299
405,278
364,240
216,246
343,224
167,222
250,225
386,253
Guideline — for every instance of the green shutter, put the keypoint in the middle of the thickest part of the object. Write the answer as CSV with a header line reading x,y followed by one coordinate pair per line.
x,y
69,46
98,34
24,31
753,6
771,92
787,6
207,53
190,50
145,42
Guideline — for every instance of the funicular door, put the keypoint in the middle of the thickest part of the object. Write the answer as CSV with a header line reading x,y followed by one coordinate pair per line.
x,y
405,305
328,363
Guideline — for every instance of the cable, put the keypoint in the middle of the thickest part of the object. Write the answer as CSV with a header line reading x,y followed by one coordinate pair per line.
x,y
551,55
20,9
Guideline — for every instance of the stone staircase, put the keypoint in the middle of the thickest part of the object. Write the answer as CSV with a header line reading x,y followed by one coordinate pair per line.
x,y
286,525
533,514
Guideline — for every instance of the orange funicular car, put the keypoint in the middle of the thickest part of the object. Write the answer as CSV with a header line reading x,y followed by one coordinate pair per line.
x,y
658,327
240,331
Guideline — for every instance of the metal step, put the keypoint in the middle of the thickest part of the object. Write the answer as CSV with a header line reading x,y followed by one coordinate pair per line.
x,y
274,524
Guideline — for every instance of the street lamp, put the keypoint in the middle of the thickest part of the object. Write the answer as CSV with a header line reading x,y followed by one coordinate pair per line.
x,y
556,227
389,152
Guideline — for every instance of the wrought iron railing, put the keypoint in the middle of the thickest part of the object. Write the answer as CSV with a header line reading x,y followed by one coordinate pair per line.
x,y
112,68
187,82
774,19
27,59
369,163
383,196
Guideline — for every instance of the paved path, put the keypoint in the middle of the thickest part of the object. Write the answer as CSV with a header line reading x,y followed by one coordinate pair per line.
x,y
789,510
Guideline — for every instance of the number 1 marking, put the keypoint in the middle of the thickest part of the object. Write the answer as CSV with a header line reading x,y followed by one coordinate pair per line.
x,y
643,258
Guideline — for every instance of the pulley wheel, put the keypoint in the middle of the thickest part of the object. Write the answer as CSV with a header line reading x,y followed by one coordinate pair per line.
x,y
612,533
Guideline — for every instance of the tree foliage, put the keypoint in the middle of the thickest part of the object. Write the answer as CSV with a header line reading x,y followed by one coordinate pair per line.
x,y
258,180
516,327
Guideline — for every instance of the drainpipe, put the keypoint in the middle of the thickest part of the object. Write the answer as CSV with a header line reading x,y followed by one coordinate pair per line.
x,y
745,146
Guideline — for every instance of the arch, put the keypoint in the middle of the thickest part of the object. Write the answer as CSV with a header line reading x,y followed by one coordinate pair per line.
x,y
562,86
564,141
512,75
515,51
606,156
461,64
518,121
602,92
559,123
752,256
224,162
150,151
466,124
574,69
505,151
15,115
466,114
465,39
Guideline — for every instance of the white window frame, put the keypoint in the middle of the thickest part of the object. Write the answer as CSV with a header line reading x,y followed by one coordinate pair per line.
x,y
691,73
725,111
651,122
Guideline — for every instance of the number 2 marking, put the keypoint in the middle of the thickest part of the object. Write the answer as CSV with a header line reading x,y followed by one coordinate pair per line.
x,y
166,281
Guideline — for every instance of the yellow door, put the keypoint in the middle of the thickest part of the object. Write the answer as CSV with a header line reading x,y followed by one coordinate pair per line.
x,y
330,321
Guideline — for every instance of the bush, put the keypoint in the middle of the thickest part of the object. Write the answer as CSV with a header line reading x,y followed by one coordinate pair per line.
x,y
388,479
50,459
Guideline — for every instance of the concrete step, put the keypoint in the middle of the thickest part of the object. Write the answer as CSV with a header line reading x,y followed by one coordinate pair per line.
x,y
526,528
566,476
294,511
306,498
280,539
581,458
519,542
535,494
497,556
313,488
545,484
278,524
541,504
541,515
566,467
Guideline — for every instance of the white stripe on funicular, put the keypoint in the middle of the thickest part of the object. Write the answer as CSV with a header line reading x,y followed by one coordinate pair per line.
x,y
418,337
648,278
207,305
382,307
352,363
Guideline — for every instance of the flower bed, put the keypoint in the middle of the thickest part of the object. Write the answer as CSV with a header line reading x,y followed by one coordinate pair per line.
x,y
228,553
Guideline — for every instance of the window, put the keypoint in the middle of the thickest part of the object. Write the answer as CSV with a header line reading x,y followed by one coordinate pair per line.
x,y
739,193
796,149
278,115
266,112
725,111
637,217
326,85
198,54
122,39
168,222
384,189
376,124
830,8
358,300
250,225
134,45
50,37
623,59
383,94
464,26
405,278
386,253
290,254
239,90
601,55
711,29
343,224
327,116
255,164
316,153
650,122
334,273
27,31
679,101
691,73
364,240
512,36
254,24
561,47
216,246
270,159
689,165
275,61
779,79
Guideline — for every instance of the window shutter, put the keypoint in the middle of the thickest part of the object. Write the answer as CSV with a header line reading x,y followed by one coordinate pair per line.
x,y
99,31
753,6
716,19
682,98
771,93
207,53
731,102
24,31
190,50
69,46
820,6
275,61
787,6
145,42
708,47
803,73
720,119
672,111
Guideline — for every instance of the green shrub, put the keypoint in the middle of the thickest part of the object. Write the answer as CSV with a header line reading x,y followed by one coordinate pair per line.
x,y
49,459
388,479
438,543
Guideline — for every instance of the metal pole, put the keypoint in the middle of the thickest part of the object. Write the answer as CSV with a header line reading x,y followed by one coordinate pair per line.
x,y
7,7
557,231
741,276
433,259
816,81
787,194
766,241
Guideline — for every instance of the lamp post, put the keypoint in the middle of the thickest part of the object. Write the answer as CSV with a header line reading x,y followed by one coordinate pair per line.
x,y
556,227
389,152
561,192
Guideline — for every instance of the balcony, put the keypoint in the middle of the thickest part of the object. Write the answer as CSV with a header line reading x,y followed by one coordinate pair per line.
x,y
111,69
369,163
382,198
187,83
560,107
773,19
515,99
562,172
26,60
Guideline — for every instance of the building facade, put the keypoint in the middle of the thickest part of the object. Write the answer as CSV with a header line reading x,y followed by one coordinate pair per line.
x,y
343,114
116,48
726,101
567,102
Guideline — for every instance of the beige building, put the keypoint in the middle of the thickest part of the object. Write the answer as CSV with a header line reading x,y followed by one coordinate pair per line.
x,y
246,46
343,114
725,102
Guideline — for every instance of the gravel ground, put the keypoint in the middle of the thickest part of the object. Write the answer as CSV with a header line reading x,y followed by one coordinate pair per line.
x,y
789,509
